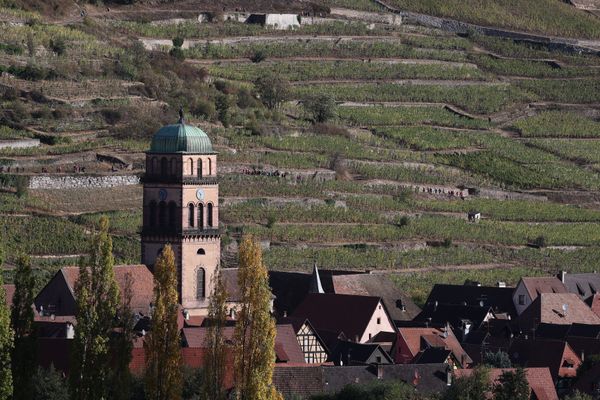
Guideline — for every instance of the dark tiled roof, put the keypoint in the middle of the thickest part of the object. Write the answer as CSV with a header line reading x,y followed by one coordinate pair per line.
x,y
432,355
349,353
543,353
338,313
453,314
583,285
299,381
497,298
399,304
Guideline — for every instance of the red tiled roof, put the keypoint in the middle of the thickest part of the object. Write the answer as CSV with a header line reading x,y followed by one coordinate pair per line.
x,y
434,337
564,309
545,284
539,380
10,292
287,347
141,278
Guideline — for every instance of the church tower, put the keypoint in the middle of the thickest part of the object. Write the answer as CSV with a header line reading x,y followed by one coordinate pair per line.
x,y
181,208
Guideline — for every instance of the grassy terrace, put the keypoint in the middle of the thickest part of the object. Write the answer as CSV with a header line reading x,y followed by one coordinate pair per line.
x,y
475,98
356,212
339,70
538,16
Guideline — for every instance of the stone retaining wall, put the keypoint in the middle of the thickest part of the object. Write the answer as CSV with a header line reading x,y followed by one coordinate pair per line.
x,y
81,181
19,144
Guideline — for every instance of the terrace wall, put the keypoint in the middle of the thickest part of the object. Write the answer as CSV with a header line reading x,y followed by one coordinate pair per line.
x,y
81,182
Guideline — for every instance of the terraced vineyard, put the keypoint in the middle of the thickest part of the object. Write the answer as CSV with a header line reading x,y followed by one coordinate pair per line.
x,y
426,126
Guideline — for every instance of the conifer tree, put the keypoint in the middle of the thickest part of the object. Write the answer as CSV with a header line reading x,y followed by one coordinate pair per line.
x,y
255,329
162,347
214,367
6,340
97,296
23,356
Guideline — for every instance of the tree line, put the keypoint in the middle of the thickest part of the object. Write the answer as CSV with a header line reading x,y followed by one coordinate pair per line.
x,y
101,350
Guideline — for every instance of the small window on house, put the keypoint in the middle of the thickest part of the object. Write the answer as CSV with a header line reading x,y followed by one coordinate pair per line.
x,y
378,358
201,252
369,336
378,321
521,299
379,307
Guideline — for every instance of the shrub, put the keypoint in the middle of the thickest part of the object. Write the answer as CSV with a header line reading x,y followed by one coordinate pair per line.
x,y
177,53
21,186
258,56
58,46
447,242
273,90
178,41
320,107
203,108
10,93
245,98
111,116
539,241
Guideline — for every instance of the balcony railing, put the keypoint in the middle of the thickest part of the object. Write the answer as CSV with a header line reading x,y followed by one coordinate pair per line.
x,y
172,230
186,180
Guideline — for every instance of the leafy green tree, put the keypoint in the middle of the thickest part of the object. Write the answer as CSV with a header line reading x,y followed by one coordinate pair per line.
x,y
162,347
123,345
97,296
49,384
254,335
222,105
499,359
273,90
512,386
320,107
6,340
193,379
23,356
473,387
212,384
577,395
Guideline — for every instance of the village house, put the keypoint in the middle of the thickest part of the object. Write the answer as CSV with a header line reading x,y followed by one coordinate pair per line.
x,y
584,285
558,309
351,353
415,344
313,347
528,289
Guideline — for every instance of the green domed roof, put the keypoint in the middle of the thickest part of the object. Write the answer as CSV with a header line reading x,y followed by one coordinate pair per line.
x,y
180,138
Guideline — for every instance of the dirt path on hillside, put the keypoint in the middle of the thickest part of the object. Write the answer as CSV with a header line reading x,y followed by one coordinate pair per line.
x,y
391,60
416,82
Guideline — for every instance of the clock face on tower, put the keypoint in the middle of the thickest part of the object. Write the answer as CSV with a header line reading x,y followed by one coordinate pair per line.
x,y
200,194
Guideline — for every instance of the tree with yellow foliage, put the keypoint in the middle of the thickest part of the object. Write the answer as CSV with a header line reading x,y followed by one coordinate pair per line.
x,y
162,346
254,336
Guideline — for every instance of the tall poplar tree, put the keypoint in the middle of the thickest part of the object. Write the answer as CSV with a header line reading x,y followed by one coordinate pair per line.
x,y
214,366
254,336
122,345
97,296
162,346
23,356
6,340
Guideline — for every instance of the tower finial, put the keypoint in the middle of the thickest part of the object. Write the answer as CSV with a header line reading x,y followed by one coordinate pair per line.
x,y
181,119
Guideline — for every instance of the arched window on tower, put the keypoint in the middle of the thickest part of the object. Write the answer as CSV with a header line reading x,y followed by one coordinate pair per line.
x,y
201,252
201,216
173,167
209,166
200,278
209,215
164,166
191,216
152,213
154,166
191,166
162,213
199,168
172,214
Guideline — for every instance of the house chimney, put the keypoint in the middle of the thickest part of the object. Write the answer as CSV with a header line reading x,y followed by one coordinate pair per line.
x,y
379,371
186,315
356,339
501,284
562,276
448,376
435,306
582,356
284,314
